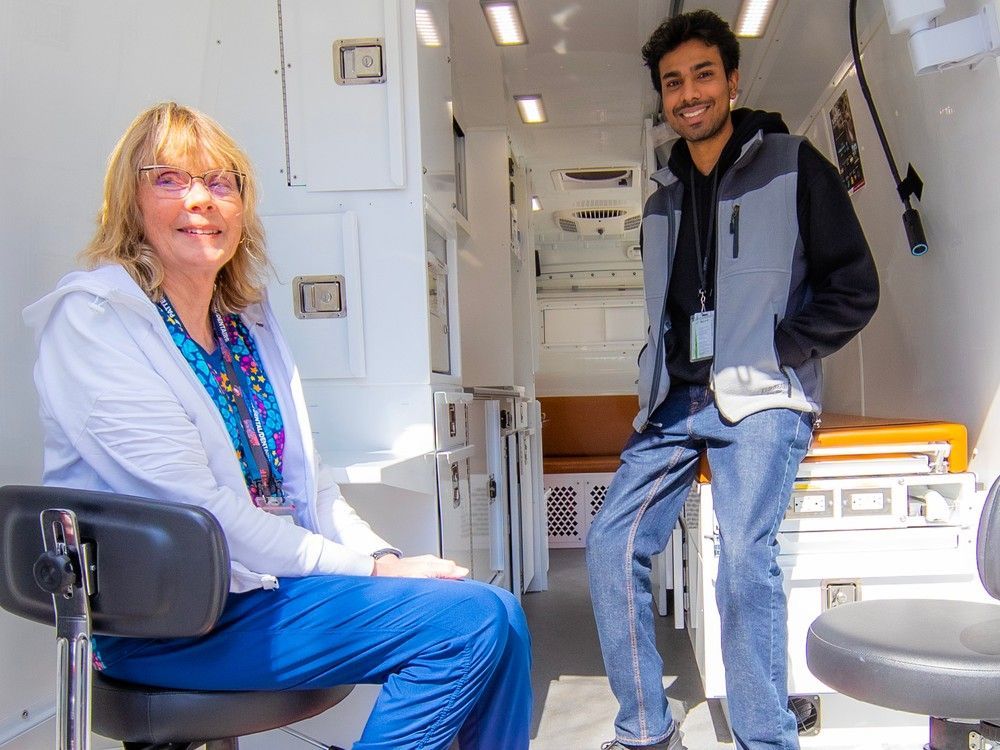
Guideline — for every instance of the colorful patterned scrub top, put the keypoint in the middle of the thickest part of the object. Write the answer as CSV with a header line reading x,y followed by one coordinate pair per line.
x,y
211,372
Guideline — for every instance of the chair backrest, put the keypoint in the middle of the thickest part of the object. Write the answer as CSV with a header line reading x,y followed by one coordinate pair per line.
x,y
162,568
988,542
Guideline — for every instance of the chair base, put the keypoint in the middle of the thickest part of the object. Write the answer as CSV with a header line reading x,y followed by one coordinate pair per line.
x,y
956,734
229,744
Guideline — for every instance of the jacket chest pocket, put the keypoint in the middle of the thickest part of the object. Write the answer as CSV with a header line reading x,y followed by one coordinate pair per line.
x,y
753,238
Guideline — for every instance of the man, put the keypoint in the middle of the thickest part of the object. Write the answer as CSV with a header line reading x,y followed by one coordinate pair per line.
x,y
755,267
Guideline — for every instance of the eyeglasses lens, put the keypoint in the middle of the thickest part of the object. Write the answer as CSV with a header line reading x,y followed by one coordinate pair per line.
x,y
175,182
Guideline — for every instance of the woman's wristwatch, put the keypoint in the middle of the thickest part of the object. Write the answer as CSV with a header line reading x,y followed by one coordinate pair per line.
x,y
386,551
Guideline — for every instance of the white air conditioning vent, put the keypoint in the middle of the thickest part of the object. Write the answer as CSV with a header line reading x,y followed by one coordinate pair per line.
x,y
593,178
600,213
608,221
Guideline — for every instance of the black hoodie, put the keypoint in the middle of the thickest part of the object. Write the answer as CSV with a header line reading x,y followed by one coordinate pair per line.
x,y
840,266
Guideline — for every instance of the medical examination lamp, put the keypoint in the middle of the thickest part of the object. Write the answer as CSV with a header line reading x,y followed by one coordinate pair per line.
x,y
932,48
936,47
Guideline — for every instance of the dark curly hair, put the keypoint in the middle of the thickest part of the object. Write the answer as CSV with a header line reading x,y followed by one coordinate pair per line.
x,y
698,24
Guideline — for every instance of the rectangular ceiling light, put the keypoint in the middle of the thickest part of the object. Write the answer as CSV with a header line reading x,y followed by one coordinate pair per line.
x,y
753,18
531,109
427,29
505,21
536,205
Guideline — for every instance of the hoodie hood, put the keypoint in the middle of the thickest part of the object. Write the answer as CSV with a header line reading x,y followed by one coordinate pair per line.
x,y
110,282
746,124
107,283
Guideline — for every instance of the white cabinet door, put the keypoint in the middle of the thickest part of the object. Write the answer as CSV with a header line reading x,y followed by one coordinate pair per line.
x,y
455,506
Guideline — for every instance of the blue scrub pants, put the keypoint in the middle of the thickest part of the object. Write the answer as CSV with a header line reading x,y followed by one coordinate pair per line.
x,y
453,657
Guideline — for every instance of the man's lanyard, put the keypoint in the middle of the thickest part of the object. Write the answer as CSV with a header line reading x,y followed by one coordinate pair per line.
x,y
703,257
269,494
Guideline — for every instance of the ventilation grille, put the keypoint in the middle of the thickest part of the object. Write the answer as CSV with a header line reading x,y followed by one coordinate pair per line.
x,y
593,178
598,220
572,501
600,213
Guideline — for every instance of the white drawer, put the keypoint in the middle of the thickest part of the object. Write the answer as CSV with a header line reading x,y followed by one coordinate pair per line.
x,y
451,419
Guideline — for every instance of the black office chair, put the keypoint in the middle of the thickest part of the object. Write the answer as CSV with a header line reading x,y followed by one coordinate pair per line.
x,y
934,657
129,566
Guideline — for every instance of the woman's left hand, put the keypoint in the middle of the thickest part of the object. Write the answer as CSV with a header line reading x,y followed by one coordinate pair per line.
x,y
421,566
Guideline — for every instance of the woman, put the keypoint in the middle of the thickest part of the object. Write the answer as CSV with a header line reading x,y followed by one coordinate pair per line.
x,y
162,373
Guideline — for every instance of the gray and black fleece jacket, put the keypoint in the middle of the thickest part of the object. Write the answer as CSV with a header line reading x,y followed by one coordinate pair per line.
x,y
790,275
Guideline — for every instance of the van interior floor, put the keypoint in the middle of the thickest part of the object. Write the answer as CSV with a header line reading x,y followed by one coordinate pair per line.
x,y
574,708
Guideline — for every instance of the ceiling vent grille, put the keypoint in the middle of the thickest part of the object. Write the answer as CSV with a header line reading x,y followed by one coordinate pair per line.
x,y
593,178
600,213
596,221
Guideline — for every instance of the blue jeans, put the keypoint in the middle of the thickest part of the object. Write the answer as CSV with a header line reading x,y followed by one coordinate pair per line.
x,y
753,463
453,656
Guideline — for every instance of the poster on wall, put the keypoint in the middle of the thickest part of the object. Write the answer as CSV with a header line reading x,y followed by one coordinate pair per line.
x,y
845,142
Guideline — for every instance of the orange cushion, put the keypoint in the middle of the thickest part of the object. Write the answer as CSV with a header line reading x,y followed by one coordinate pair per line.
x,y
580,464
586,425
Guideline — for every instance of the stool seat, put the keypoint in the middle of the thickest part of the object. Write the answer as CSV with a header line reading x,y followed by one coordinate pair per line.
x,y
150,715
934,657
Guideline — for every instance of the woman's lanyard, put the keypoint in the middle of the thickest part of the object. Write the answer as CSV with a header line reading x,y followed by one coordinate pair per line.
x,y
702,334
269,493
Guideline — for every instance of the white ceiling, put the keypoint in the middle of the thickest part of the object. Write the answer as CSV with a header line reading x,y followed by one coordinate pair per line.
x,y
583,57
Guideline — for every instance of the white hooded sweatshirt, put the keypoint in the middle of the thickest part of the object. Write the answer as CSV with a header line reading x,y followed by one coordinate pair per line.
x,y
123,412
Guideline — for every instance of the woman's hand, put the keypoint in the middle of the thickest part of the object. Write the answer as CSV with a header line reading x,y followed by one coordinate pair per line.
x,y
422,566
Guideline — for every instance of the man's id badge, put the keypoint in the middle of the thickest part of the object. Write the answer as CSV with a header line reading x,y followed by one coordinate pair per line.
x,y
702,335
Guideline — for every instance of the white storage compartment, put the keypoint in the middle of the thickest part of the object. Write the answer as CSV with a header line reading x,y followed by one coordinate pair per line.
x,y
455,505
343,90
312,249
867,538
451,419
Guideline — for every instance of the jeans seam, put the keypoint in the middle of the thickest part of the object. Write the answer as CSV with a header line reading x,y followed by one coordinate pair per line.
x,y
773,556
633,624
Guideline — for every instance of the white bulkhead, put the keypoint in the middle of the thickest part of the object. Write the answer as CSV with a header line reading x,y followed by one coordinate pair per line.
x,y
441,269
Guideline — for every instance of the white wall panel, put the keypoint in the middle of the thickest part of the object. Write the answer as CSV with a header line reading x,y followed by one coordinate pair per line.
x,y
72,76
932,349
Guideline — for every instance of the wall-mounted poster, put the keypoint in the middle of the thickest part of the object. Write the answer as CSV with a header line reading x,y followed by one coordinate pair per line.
x,y
846,144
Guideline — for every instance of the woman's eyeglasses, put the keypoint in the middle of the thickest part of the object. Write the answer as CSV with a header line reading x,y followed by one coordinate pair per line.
x,y
174,182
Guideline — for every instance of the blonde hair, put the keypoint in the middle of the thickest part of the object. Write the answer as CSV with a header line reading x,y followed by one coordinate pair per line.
x,y
171,128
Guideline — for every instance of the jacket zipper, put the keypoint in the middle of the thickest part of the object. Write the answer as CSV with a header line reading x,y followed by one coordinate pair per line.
x,y
734,229
781,368
715,318
659,364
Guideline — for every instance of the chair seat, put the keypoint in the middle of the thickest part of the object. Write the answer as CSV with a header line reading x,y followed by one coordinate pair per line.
x,y
940,658
138,713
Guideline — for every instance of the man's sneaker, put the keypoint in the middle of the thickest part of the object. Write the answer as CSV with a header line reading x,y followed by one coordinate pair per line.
x,y
673,742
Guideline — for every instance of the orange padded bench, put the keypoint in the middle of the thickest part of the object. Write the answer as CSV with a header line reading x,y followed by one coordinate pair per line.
x,y
585,434
848,431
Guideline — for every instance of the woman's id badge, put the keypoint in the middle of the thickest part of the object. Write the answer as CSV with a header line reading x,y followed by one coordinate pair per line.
x,y
702,335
